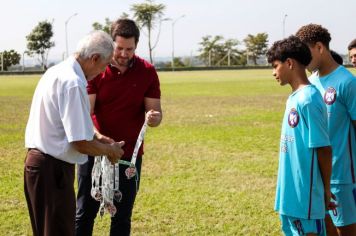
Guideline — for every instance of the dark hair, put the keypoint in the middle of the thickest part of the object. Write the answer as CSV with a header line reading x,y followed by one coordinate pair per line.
x,y
336,56
312,33
352,44
125,28
291,47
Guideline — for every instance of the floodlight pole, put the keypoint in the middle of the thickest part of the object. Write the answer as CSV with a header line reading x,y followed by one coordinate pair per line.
x,y
284,25
65,24
2,61
23,61
228,57
173,23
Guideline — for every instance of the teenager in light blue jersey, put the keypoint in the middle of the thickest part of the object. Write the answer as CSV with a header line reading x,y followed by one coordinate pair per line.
x,y
338,89
303,185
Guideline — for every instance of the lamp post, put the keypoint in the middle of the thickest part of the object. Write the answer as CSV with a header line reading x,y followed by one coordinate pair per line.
x,y
284,25
2,61
173,23
23,60
66,23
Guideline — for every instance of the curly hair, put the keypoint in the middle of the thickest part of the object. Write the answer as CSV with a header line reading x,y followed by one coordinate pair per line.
x,y
313,33
352,45
291,47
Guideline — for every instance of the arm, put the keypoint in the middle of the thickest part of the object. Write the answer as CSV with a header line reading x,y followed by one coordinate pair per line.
x,y
92,98
96,148
154,111
354,122
101,138
92,147
325,165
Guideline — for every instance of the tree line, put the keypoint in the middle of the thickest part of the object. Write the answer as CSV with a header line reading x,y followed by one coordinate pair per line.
x,y
216,51
213,51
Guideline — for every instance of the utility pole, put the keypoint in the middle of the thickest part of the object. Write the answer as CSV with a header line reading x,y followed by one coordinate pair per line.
x,y
2,61
65,25
284,25
23,60
173,23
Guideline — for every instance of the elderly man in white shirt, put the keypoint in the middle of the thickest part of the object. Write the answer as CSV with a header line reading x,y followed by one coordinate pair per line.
x,y
60,133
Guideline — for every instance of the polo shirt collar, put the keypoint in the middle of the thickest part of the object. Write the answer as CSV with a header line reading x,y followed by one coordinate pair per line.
x,y
131,64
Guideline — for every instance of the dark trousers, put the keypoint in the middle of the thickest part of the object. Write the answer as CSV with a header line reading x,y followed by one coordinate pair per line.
x,y
49,193
87,207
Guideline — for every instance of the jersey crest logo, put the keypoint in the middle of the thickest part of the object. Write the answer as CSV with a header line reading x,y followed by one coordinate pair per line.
x,y
293,118
330,96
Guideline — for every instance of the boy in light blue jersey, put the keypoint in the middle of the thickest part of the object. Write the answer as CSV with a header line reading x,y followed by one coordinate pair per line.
x,y
338,89
303,185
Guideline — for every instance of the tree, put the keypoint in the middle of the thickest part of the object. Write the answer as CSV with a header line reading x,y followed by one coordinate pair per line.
x,y
124,15
178,62
210,47
231,55
10,58
39,41
218,51
256,45
147,15
106,27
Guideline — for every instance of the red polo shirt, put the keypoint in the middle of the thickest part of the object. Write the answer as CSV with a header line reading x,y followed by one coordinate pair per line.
x,y
119,110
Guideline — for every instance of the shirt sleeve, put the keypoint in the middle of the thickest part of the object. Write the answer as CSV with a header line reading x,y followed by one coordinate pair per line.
x,y
315,116
153,90
92,87
75,114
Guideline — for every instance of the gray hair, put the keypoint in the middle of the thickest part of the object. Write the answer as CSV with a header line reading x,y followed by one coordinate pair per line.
x,y
96,42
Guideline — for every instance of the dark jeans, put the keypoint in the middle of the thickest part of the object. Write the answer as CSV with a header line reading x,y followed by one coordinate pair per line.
x,y
87,207
49,194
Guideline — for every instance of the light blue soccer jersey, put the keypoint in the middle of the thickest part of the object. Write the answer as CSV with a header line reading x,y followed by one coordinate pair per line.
x,y
300,189
338,90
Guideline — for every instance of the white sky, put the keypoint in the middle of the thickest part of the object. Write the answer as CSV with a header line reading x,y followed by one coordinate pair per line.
x,y
229,18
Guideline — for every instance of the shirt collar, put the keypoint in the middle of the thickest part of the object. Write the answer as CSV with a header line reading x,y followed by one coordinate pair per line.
x,y
130,65
78,70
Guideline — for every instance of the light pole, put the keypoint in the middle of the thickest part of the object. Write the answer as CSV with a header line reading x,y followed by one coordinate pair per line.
x,y
66,23
2,61
284,25
173,23
23,60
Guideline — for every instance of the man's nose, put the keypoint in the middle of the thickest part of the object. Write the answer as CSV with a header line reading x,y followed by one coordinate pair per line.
x,y
123,53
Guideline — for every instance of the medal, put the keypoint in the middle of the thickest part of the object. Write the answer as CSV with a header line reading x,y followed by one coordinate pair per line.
x,y
130,172
118,196
105,178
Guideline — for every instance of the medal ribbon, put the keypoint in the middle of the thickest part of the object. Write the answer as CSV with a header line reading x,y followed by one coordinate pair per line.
x,y
108,190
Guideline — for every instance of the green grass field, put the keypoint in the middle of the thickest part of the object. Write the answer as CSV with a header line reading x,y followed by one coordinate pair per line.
x,y
209,169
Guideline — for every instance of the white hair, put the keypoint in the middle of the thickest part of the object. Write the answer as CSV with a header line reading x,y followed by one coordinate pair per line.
x,y
96,42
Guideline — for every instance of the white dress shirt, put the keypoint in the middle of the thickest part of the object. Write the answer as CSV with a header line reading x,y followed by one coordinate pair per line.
x,y
60,113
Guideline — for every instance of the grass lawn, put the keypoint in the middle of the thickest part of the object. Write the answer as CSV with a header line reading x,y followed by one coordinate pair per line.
x,y
209,169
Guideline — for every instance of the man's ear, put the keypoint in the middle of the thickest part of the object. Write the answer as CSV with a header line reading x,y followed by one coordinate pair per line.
x,y
95,58
320,47
290,63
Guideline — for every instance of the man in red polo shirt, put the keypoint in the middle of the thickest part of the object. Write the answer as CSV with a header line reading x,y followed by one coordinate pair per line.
x,y
120,99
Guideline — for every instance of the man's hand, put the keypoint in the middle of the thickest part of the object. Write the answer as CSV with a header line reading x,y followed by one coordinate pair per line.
x,y
116,151
103,139
153,118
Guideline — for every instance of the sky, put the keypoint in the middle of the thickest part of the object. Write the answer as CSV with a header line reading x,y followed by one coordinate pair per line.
x,y
228,18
